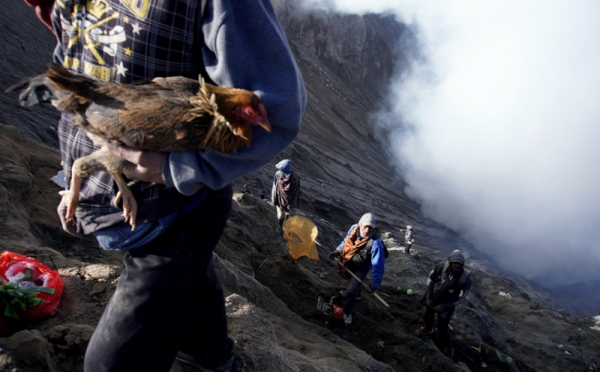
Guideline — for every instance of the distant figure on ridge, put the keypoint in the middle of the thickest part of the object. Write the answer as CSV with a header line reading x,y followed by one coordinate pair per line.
x,y
408,238
361,251
285,193
455,283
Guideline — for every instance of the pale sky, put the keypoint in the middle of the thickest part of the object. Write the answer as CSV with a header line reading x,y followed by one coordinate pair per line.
x,y
503,119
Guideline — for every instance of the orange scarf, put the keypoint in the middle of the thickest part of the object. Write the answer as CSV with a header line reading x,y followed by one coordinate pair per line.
x,y
353,244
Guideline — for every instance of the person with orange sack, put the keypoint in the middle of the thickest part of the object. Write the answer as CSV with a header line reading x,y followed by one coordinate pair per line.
x,y
361,251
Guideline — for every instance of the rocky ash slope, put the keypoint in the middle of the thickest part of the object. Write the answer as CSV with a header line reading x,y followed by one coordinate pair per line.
x,y
271,299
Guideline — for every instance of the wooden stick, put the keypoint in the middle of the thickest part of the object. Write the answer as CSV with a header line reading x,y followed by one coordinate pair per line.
x,y
363,283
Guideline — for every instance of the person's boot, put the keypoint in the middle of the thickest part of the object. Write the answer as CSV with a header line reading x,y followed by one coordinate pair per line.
x,y
424,331
348,319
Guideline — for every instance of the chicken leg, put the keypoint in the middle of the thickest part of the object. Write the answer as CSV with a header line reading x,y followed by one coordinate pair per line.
x,y
101,160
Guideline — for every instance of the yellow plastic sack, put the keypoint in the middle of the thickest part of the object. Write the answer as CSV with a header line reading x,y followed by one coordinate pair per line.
x,y
300,233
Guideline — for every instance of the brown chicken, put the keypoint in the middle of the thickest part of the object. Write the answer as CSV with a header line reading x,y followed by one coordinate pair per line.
x,y
165,114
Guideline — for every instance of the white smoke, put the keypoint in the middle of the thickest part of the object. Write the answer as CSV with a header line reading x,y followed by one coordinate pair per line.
x,y
496,130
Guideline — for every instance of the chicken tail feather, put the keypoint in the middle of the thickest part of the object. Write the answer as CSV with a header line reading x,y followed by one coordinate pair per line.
x,y
77,84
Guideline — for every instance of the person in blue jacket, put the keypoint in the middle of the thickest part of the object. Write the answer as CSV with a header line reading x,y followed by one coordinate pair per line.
x,y
169,302
361,251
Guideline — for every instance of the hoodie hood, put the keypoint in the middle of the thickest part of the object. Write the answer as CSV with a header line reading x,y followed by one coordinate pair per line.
x,y
456,256
285,166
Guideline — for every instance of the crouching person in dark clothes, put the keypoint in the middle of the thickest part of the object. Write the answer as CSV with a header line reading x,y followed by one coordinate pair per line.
x,y
361,251
455,283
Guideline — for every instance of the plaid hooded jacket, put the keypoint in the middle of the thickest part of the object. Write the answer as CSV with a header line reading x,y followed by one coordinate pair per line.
x,y
125,41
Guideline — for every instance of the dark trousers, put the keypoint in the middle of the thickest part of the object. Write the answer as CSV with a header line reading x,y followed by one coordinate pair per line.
x,y
354,287
443,320
168,299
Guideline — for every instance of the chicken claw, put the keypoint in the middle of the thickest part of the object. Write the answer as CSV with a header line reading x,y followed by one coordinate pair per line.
x,y
129,204
72,197
70,203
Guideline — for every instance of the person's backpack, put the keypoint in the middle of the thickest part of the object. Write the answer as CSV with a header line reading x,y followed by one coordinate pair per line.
x,y
463,276
374,237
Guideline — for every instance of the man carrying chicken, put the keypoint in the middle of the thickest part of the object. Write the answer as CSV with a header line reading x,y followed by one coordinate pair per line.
x,y
168,302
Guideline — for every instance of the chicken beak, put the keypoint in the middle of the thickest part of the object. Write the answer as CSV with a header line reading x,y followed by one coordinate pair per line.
x,y
264,122
265,125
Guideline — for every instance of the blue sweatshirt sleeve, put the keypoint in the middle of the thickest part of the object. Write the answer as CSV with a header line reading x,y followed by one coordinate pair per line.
x,y
244,47
339,248
378,264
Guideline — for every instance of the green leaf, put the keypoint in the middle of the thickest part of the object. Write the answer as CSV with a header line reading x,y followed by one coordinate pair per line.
x,y
18,303
34,290
505,360
15,293
14,298
9,312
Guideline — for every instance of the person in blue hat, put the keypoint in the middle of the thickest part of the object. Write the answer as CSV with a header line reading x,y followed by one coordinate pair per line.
x,y
285,193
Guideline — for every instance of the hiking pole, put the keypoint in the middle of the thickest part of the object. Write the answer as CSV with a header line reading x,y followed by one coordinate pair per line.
x,y
363,283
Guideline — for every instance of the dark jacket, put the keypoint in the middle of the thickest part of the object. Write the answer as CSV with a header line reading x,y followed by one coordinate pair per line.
x,y
285,192
450,292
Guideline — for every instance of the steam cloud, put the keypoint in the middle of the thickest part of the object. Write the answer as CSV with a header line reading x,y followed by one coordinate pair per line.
x,y
496,128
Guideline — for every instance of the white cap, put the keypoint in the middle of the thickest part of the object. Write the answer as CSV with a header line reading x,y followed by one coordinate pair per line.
x,y
368,219
409,227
